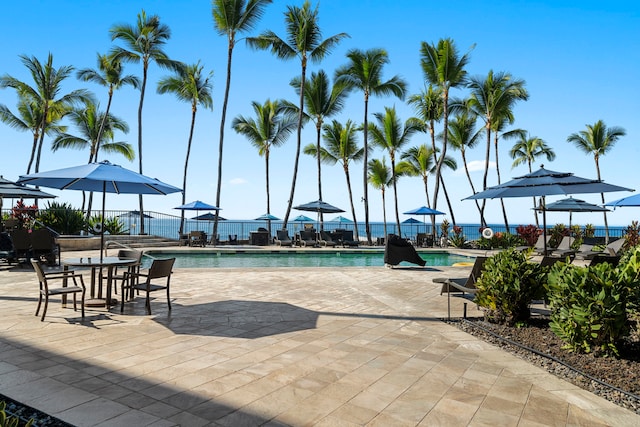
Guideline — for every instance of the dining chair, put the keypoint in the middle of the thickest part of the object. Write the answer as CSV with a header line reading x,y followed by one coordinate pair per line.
x,y
45,290
150,281
120,273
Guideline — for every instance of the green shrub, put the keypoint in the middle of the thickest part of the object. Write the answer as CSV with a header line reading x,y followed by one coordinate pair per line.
x,y
62,218
508,285
500,240
588,306
111,225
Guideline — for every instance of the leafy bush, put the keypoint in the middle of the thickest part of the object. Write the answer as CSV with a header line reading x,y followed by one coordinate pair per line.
x,y
632,235
557,233
111,225
592,307
457,239
500,241
508,285
63,218
529,233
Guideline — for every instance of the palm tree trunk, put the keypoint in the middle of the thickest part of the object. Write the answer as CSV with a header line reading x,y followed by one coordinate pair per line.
x,y
446,196
384,214
353,208
98,139
365,182
318,130
142,90
186,165
443,154
606,224
266,171
395,190
486,167
298,143
504,211
426,189
225,102
33,151
466,171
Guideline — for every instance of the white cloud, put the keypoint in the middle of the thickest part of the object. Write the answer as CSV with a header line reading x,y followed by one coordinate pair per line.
x,y
478,165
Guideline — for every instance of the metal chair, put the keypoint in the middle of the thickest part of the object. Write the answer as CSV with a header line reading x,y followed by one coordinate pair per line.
x,y
160,269
45,290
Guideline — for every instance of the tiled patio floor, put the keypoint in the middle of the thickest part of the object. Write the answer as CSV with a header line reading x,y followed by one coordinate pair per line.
x,y
298,347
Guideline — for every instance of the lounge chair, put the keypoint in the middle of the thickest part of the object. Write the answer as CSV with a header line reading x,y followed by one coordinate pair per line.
x,y
614,260
397,249
548,260
308,238
282,238
538,248
347,239
564,247
612,249
463,284
325,239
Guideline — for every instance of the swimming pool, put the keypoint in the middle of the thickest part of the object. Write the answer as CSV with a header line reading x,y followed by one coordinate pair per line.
x,y
294,259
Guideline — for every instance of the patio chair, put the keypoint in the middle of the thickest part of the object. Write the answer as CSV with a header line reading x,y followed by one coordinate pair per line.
x,y
6,247
564,247
21,243
397,249
326,240
160,269
197,238
282,238
45,290
538,248
123,273
463,284
44,246
347,239
233,239
308,238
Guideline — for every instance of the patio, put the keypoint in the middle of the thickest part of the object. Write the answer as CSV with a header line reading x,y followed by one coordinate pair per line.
x,y
348,347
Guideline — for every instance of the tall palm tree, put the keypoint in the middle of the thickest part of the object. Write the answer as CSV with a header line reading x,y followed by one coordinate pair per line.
x,y
28,119
492,99
340,147
189,84
463,135
444,68
390,135
526,150
418,161
143,42
230,18
43,98
321,100
303,41
597,139
380,177
364,73
270,128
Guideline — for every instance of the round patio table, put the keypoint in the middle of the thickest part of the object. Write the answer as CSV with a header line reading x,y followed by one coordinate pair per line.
x,y
97,264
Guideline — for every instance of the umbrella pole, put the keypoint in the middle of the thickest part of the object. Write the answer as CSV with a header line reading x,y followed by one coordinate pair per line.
x,y
104,192
544,223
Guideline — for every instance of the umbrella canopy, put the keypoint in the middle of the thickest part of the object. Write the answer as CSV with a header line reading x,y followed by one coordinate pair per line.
x,y
267,217
318,206
12,190
424,211
341,219
412,221
543,183
627,201
572,205
104,177
302,218
197,206
208,217
135,214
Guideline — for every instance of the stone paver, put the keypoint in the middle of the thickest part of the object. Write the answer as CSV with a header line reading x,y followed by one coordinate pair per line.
x,y
328,347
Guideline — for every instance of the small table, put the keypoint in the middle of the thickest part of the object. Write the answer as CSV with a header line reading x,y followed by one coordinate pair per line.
x,y
96,263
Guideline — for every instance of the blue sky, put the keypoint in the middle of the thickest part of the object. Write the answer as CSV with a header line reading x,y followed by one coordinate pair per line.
x,y
580,61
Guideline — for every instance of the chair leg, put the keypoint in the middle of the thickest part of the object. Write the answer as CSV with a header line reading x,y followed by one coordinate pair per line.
x,y
148,304
39,303
75,305
82,303
44,309
168,299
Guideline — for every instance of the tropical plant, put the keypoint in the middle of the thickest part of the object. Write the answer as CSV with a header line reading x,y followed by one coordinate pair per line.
x,y
63,218
508,284
530,233
321,101
112,225
230,18
188,84
270,128
598,140
557,233
24,213
364,73
457,239
492,99
445,69
381,177
11,421
417,161
303,41
391,135
526,150
632,235
42,99
340,147
143,43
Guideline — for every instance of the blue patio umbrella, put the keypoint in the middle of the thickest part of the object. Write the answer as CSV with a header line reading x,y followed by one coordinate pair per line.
x,y
12,190
302,218
424,211
197,206
626,201
341,219
102,176
412,222
267,217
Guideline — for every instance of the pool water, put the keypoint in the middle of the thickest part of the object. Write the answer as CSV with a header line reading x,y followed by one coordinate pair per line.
x,y
295,259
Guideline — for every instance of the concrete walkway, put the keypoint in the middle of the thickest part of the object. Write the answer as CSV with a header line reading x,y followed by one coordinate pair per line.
x,y
276,347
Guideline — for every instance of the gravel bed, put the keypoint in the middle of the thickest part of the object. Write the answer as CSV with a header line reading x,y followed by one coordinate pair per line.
x,y
26,413
615,379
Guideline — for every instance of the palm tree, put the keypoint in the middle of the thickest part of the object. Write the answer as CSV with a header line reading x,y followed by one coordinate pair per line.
x,y
364,72
462,136
526,150
270,128
597,139
42,98
143,43
492,99
29,119
231,17
340,147
189,85
321,101
418,161
443,67
390,135
109,74
380,177
303,41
